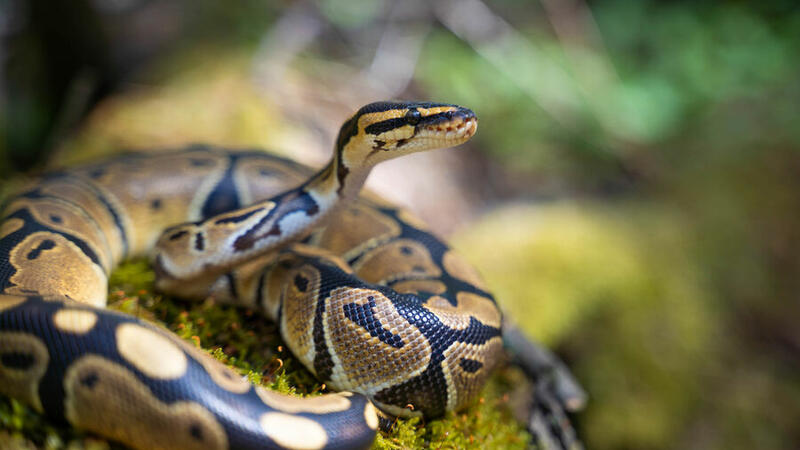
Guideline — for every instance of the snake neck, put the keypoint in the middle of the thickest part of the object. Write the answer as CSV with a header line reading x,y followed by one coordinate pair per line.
x,y
338,181
231,238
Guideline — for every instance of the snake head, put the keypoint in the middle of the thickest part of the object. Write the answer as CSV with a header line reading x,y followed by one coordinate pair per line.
x,y
385,130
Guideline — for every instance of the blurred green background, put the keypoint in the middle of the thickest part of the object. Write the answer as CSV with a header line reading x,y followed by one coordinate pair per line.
x,y
632,195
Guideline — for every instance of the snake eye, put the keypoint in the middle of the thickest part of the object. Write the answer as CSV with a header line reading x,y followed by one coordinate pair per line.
x,y
413,116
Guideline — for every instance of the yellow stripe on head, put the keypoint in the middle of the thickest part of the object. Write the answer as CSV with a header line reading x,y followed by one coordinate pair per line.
x,y
385,130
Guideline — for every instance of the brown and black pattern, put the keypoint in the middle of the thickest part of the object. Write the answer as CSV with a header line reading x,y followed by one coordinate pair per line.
x,y
365,298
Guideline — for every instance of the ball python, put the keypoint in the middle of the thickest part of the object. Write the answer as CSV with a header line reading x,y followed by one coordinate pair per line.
x,y
372,304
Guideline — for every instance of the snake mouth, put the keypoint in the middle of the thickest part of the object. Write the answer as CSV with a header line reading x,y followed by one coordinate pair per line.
x,y
459,128
451,127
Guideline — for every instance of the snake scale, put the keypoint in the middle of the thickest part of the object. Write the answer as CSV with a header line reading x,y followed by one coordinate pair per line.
x,y
371,303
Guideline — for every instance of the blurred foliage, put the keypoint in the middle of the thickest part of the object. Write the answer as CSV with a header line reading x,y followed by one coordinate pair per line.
x,y
717,74
663,266
675,307
615,289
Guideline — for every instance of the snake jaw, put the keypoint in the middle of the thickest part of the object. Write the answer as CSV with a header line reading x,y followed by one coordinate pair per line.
x,y
453,132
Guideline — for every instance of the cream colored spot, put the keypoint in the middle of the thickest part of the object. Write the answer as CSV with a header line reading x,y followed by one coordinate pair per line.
x,y
75,320
225,377
417,286
10,301
21,380
297,318
71,220
152,353
447,313
10,226
469,305
354,230
371,416
307,250
463,386
293,431
457,267
322,404
399,258
484,309
109,399
58,267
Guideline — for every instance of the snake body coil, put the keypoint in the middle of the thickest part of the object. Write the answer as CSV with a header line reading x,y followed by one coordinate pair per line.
x,y
371,303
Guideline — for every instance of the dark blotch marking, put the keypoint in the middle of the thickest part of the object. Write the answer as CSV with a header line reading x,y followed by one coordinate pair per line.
x,y
225,195
247,241
364,315
160,270
418,269
46,244
267,173
341,174
200,162
17,360
115,215
155,204
348,131
386,125
56,219
199,242
232,285
196,431
386,106
401,142
177,235
301,282
227,375
470,365
90,380
406,250
323,362
97,173
427,392
293,202
311,207
236,219
274,231
379,145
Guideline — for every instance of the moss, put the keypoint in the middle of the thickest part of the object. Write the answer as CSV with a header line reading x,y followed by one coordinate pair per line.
x,y
250,344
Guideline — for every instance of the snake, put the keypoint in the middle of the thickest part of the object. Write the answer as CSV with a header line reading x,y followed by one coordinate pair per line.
x,y
372,303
